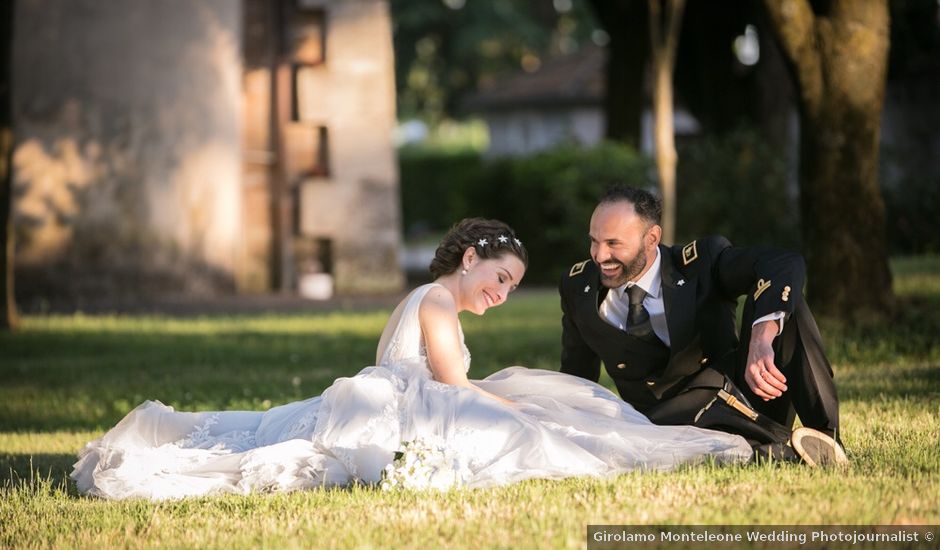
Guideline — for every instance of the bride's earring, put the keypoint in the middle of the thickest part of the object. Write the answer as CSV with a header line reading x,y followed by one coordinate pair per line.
x,y
463,271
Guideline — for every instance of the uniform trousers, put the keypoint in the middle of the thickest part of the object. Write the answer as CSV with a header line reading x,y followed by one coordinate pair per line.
x,y
798,354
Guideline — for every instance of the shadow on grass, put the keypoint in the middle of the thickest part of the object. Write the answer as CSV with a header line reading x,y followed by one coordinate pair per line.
x,y
59,380
917,383
87,373
31,467
909,333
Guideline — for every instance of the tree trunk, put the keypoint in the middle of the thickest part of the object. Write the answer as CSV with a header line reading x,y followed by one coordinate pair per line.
x,y
840,61
8,316
664,43
625,23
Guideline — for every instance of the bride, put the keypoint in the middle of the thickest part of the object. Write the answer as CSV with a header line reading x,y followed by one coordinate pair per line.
x,y
516,424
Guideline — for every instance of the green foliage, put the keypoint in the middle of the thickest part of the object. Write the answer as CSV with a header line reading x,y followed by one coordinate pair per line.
x,y
446,49
547,198
435,185
887,376
736,185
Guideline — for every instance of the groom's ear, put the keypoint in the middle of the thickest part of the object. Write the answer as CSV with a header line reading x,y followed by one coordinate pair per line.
x,y
654,236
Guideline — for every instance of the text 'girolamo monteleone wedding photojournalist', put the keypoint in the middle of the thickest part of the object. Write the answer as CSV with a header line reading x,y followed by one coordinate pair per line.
x,y
602,537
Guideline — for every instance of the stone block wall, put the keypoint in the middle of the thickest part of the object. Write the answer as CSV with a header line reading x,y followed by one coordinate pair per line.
x,y
143,150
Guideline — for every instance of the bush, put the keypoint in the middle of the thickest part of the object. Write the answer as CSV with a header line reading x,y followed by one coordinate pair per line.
x,y
547,198
435,186
736,185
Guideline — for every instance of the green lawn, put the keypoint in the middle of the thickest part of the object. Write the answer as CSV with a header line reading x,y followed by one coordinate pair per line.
x,y
65,379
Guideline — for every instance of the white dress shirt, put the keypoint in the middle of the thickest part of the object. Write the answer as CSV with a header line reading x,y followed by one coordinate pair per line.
x,y
616,304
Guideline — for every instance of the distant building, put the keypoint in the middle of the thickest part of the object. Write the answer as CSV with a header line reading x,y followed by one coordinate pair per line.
x,y
563,102
560,102
212,146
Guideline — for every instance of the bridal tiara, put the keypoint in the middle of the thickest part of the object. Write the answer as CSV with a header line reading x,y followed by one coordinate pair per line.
x,y
502,239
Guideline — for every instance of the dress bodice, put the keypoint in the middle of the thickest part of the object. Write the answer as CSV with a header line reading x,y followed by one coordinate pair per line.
x,y
407,347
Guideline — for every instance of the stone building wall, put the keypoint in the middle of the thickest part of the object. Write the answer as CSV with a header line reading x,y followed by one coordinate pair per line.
x,y
127,174
352,95
144,162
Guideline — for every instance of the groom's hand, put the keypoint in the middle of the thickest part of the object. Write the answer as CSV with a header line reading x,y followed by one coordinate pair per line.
x,y
763,377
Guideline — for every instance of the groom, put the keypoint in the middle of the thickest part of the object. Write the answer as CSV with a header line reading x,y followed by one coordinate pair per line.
x,y
662,319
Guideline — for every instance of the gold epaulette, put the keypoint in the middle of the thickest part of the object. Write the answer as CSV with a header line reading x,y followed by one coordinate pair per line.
x,y
577,268
689,253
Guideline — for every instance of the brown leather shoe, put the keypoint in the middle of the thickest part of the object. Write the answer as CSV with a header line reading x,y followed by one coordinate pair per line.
x,y
817,448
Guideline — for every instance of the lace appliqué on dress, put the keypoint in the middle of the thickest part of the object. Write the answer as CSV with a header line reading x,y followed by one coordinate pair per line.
x,y
304,425
199,436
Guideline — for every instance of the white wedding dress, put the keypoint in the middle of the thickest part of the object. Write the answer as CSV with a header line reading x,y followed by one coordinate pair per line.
x,y
559,426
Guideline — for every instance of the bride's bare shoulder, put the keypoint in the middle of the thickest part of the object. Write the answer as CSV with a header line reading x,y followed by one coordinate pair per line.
x,y
438,304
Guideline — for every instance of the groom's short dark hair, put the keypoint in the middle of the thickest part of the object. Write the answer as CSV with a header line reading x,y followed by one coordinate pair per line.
x,y
646,205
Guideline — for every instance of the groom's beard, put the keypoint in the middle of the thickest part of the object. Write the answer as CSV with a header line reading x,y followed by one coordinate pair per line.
x,y
628,271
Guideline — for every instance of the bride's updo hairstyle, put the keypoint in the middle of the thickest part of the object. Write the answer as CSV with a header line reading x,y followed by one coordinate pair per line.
x,y
490,239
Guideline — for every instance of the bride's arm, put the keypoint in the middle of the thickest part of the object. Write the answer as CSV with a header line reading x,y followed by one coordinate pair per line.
x,y
438,317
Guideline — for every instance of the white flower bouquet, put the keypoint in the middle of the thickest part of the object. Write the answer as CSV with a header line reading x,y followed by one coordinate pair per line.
x,y
425,463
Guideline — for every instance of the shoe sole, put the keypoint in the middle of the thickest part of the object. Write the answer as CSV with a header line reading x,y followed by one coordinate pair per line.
x,y
833,452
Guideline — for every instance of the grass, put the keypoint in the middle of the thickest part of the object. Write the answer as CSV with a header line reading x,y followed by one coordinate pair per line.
x,y
65,379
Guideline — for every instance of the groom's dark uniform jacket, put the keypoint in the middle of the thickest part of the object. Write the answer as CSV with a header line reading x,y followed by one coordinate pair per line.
x,y
701,283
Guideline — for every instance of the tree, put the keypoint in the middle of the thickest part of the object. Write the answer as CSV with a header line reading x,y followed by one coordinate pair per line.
x,y
708,79
626,23
664,41
837,51
446,49
8,317
639,29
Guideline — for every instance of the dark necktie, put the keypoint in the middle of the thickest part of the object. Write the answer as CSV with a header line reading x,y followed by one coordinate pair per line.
x,y
638,319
